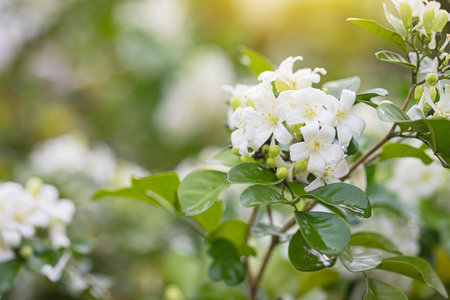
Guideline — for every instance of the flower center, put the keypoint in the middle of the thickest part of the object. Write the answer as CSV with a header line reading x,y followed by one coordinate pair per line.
x,y
340,115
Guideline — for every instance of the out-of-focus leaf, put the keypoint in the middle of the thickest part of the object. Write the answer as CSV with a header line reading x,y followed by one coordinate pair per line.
x,y
373,240
380,31
305,258
372,93
325,232
200,189
8,272
403,150
210,218
234,231
225,157
255,61
414,267
395,58
252,173
226,264
335,88
378,290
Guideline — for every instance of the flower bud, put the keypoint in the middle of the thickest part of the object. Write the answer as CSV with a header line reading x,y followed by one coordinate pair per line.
x,y
282,173
265,149
425,106
431,79
300,165
274,151
433,93
281,86
34,185
406,14
440,21
270,162
446,60
235,102
245,158
428,19
418,91
235,151
26,251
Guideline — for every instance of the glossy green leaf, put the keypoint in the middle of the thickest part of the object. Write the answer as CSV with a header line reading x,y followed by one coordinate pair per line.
x,y
8,272
234,231
380,31
297,188
159,189
373,240
378,290
414,267
360,262
345,196
335,88
255,61
200,189
261,229
225,157
226,264
247,172
403,150
209,220
396,22
325,232
391,113
392,57
376,92
259,194
304,258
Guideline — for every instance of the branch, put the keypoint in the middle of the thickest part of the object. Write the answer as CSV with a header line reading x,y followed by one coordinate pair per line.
x,y
251,220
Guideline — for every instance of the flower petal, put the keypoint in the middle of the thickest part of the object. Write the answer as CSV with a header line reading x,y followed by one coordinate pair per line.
x,y
310,130
298,151
348,99
332,153
315,184
344,134
262,134
356,123
316,163
326,134
281,134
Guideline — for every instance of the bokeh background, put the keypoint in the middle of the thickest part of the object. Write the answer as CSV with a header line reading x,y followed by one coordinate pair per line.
x,y
135,87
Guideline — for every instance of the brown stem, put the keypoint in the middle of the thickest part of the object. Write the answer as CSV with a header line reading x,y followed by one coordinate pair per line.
x,y
251,220
367,156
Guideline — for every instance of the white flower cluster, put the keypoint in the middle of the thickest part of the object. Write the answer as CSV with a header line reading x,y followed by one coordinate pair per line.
x,y
23,210
425,17
313,127
67,154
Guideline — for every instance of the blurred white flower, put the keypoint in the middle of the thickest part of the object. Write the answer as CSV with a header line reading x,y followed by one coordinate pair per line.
x,y
330,174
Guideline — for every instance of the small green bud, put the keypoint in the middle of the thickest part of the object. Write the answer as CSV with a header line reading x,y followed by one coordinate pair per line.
x,y
431,79
265,149
245,158
440,21
26,251
418,91
282,173
34,185
433,93
446,60
274,151
270,162
235,151
300,165
235,102
425,106
281,86
406,14
249,102
428,19
173,292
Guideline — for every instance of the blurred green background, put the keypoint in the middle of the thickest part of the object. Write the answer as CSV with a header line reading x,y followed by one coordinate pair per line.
x,y
145,77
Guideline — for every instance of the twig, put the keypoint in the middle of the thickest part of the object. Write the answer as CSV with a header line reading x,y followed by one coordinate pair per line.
x,y
251,220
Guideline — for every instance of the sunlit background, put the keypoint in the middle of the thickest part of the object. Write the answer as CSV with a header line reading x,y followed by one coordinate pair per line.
x,y
94,91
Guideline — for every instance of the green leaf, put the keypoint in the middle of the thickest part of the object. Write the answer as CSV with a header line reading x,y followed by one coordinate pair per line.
x,y
304,258
378,290
8,272
372,93
391,113
380,31
297,188
335,88
395,58
225,157
403,150
360,262
255,61
209,220
261,229
252,173
226,264
313,280
345,196
159,189
325,232
259,194
373,240
396,22
234,231
382,198
200,189
414,267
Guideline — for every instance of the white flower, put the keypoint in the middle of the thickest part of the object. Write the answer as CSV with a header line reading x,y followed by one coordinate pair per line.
x,y
318,146
308,106
347,124
296,80
416,112
243,134
267,118
55,273
330,174
444,102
